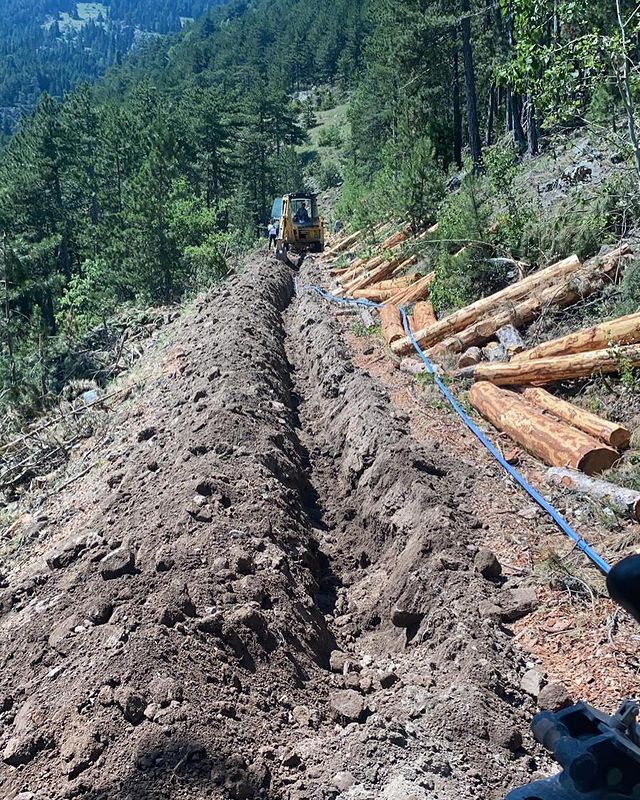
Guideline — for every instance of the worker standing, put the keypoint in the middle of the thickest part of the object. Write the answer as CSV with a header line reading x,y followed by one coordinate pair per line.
x,y
273,233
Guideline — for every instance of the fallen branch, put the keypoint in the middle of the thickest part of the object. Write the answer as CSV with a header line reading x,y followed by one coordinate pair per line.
x,y
624,501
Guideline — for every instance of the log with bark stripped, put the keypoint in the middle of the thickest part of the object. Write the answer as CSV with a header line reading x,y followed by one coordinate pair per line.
x,y
611,433
624,501
559,368
591,279
391,319
554,442
624,330
461,319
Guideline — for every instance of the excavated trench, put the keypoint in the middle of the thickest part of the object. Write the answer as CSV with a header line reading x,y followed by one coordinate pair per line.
x,y
268,591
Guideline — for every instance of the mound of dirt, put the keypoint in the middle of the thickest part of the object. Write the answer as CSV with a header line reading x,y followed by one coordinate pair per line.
x,y
269,590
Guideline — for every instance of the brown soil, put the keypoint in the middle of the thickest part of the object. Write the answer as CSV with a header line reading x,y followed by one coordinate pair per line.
x,y
267,589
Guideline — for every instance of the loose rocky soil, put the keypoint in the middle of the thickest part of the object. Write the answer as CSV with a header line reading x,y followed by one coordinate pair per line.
x,y
268,589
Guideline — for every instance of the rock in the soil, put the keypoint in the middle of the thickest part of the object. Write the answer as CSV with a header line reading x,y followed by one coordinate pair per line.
x,y
163,690
532,682
131,704
403,618
517,603
178,606
507,737
343,781
337,660
388,679
100,612
348,706
64,554
399,788
554,697
118,563
80,755
489,609
21,750
487,564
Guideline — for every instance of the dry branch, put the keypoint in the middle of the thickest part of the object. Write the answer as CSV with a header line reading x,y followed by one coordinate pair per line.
x,y
625,501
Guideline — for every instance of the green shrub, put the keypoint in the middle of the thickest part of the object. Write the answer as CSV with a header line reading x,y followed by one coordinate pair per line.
x,y
630,290
330,137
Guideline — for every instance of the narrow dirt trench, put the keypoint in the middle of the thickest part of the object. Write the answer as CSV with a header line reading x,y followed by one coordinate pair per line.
x,y
268,590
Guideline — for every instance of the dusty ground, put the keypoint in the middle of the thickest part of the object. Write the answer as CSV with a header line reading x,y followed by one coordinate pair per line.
x,y
270,587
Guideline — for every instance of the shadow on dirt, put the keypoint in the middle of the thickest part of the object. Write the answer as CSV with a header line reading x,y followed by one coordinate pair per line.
x,y
184,767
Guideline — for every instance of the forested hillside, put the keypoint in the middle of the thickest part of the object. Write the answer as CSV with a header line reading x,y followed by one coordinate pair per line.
x,y
53,45
140,190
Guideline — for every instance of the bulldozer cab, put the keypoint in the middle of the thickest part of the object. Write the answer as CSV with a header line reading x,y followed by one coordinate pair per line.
x,y
301,229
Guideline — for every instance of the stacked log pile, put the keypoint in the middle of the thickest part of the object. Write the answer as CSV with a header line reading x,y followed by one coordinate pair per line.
x,y
484,338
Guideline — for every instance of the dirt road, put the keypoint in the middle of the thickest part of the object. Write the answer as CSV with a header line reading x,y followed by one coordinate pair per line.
x,y
268,589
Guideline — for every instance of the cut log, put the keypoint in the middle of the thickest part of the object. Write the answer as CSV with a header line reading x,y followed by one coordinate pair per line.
x,y
417,291
559,368
470,358
342,245
510,339
625,501
375,295
461,319
592,278
423,315
397,283
624,330
404,265
392,328
611,433
555,443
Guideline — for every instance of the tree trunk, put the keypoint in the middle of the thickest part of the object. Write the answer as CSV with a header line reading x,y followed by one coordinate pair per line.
x,y
624,83
624,501
461,319
611,433
532,128
624,330
516,120
470,87
491,115
559,368
553,442
457,113
392,328
589,280
343,245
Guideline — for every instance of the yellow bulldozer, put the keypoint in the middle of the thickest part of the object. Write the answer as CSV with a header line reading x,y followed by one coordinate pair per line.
x,y
300,227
